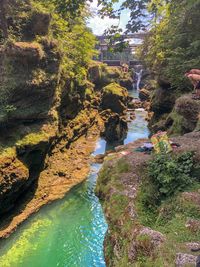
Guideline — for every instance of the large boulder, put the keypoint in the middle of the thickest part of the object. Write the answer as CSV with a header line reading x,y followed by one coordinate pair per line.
x,y
163,101
188,108
101,75
115,128
127,83
144,94
185,115
95,71
114,97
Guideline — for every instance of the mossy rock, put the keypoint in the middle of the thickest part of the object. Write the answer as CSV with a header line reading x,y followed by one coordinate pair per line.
x,y
115,89
101,74
184,117
114,97
188,108
113,72
127,83
163,101
25,52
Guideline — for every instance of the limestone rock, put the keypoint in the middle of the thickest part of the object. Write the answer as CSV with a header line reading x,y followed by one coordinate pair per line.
x,y
114,97
94,72
134,104
163,101
144,94
193,225
25,52
193,245
185,259
99,158
193,197
156,237
115,128
14,176
31,97
185,115
127,83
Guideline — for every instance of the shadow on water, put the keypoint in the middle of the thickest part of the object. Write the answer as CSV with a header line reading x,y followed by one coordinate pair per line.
x,y
69,232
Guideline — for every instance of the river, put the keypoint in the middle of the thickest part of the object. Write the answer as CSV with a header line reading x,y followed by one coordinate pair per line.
x,y
69,232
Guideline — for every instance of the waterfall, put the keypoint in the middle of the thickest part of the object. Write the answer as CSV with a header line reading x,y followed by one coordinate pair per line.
x,y
138,71
139,77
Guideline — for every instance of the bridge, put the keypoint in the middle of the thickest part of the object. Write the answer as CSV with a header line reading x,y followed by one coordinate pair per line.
x,y
139,35
117,58
118,63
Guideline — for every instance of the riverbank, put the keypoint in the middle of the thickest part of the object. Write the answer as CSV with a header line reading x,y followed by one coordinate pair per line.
x,y
66,168
154,235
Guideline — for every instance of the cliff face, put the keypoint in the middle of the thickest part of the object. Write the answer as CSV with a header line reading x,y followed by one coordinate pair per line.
x,y
173,111
50,105
29,99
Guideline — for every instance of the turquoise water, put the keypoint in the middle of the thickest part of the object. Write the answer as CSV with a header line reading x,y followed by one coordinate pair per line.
x,y
69,232
66,233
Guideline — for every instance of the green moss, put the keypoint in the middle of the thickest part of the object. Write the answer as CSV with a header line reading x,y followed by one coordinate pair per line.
x,y
109,176
33,139
115,89
113,72
89,93
110,190
178,123
9,152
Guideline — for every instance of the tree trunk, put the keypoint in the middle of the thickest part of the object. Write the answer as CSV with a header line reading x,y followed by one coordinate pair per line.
x,y
3,20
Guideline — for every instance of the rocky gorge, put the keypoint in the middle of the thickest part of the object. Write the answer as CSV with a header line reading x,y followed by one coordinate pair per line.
x,y
49,120
63,115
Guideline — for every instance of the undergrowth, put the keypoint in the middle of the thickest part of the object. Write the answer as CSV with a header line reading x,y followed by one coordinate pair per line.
x,y
162,206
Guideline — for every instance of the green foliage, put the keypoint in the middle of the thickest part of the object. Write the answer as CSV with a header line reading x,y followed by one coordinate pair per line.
x,y
172,48
76,41
171,174
69,33
170,215
33,139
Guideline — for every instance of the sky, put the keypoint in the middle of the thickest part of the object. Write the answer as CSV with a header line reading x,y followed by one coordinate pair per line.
x,y
99,25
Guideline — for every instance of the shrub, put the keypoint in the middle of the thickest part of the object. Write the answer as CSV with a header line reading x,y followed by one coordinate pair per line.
x,y
170,173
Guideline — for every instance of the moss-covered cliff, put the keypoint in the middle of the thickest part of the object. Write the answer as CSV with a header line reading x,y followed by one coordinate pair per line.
x,y
50,105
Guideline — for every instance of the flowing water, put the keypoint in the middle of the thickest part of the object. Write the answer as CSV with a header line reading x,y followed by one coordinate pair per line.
x,y
138,72
139,77
69,232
